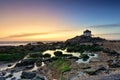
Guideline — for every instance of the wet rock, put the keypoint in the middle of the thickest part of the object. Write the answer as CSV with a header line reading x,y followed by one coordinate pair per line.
x,y
2,78
39,78
112,77
101,68
14,78
114,63
86,67
73,57
9,76
12,71
29,66
9,65
38,63
2,73
28,75
25,62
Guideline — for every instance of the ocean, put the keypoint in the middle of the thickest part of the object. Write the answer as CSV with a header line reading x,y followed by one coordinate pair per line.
x,y
14,43
17,43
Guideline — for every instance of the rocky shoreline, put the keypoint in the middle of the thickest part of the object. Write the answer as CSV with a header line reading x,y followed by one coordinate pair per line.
x,y
68,60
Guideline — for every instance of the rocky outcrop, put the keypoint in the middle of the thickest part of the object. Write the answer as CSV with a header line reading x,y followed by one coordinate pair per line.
x,y
83,39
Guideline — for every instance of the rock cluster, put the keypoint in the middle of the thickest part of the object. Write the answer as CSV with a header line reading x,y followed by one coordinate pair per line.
x,y
83,39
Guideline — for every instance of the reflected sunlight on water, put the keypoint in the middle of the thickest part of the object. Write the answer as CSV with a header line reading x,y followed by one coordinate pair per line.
x,y
63,51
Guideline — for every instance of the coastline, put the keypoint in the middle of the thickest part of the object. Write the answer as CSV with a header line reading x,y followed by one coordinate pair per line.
x,y
106,51
18,43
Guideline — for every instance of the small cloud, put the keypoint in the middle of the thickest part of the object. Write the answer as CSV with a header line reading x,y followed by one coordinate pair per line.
x,y
106,25
110,34
32,34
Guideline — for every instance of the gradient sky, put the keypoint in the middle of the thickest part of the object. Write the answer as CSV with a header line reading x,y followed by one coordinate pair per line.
x,y
51,20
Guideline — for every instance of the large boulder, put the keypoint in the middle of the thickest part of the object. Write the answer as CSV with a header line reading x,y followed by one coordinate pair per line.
x,y
28,75
26,62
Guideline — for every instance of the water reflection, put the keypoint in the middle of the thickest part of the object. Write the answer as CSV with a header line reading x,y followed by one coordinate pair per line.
x,y
76,54
5,66
16,75
88,60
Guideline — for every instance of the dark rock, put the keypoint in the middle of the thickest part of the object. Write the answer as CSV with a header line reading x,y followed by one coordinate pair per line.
x,y
2,78
14,78
9,76
36,55
111,77
39,78
25,62
12,71
101,69
73,57
114,63
28,75
91,71
38,63
2,73
86,67
9,65
83,39
29,66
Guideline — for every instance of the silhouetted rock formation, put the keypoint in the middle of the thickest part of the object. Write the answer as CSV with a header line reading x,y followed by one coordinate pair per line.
x,y
83,39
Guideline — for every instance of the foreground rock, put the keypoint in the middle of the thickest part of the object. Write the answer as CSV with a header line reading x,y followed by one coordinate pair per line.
x,y
9,76
114,63
39,78
29,66
14,78
25,62
112,77
2,73
2,78
28,75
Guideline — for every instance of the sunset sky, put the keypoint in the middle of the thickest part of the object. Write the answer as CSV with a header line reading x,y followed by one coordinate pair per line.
x,y
58,20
